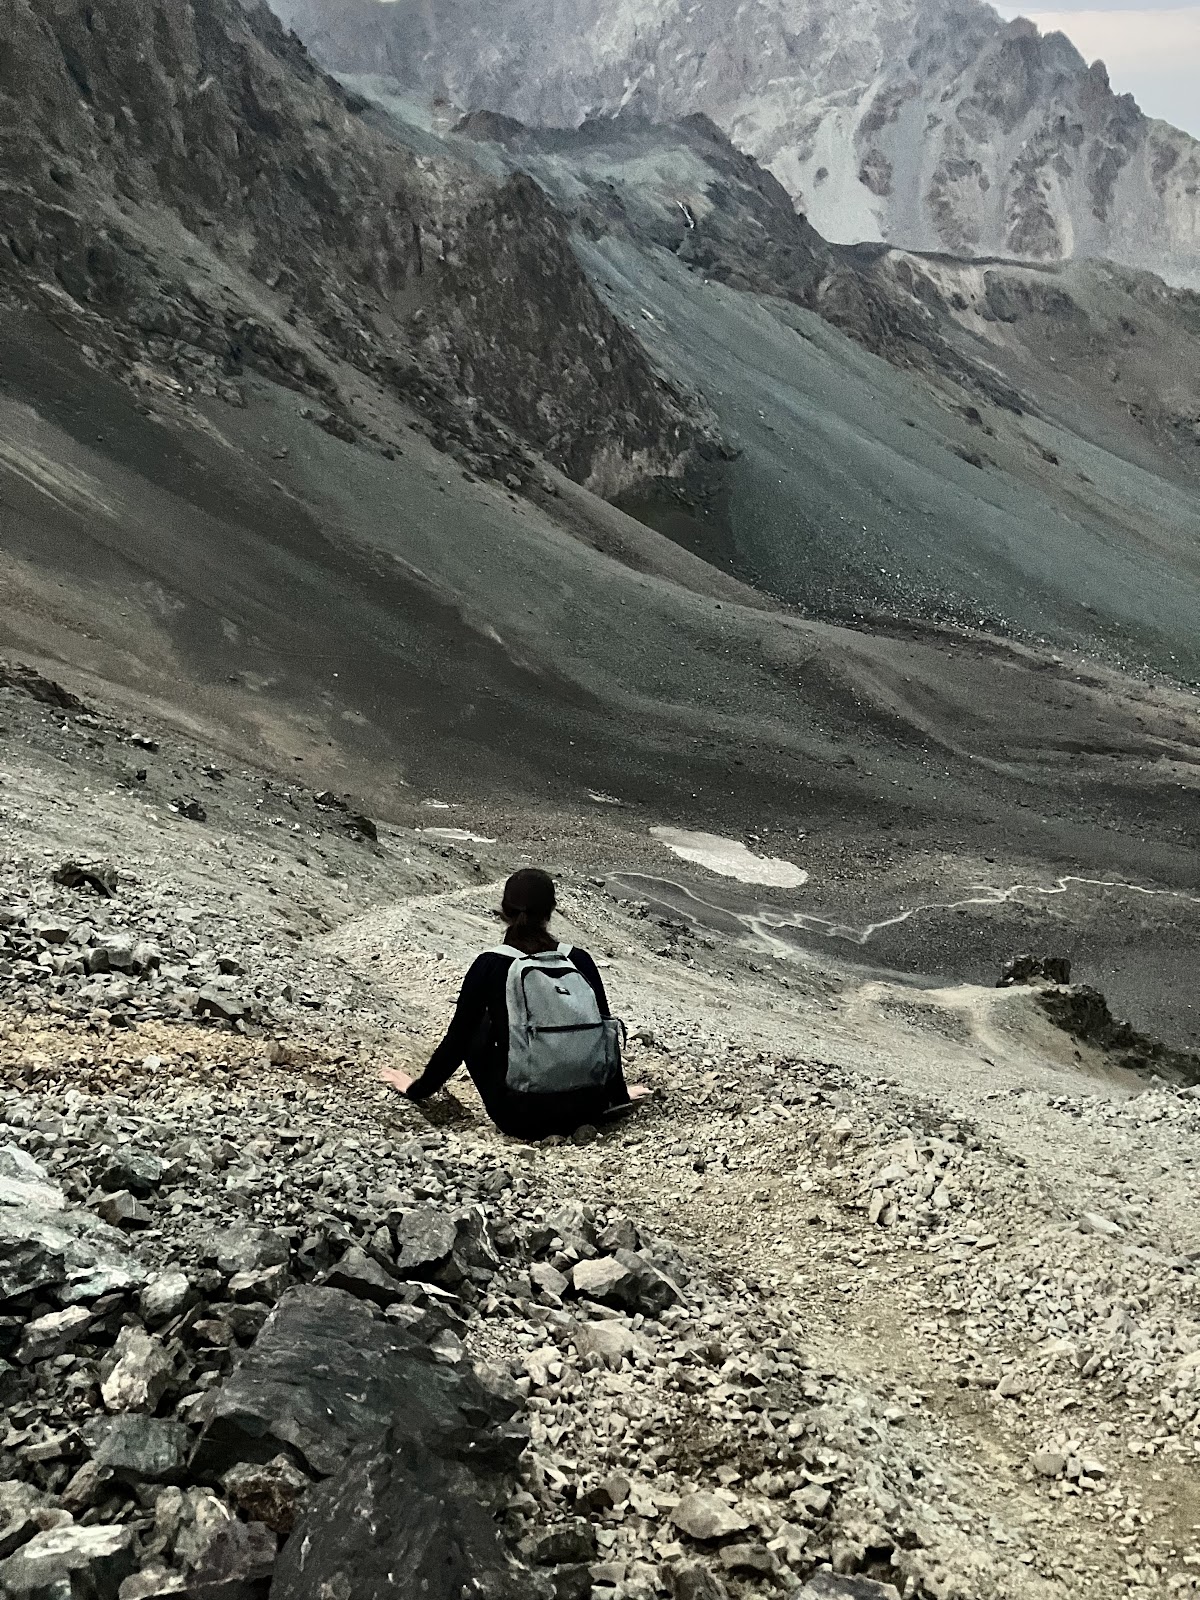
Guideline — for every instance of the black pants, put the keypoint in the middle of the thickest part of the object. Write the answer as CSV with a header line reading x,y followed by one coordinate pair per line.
x,y
537,1116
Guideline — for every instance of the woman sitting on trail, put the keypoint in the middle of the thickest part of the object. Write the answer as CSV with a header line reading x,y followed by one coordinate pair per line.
x,y
533,1026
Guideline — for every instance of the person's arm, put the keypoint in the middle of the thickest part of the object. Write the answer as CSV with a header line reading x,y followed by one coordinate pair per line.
x,y
450,1054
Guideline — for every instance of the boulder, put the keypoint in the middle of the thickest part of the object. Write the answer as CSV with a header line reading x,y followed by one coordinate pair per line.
x,y
424,1239
186,1521
99,876
549,1279
611,1341
73,1562
398,1520
626,1280
165,1297
23,1182
152,1583
327,1373
139,1171
568,1542
220,999
121,1209
20,1504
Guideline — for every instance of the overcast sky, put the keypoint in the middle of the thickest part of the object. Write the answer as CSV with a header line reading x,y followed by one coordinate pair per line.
x,y
1151,51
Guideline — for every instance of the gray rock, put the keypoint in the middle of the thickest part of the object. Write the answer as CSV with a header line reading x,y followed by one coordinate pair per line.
x,y
186,1521
264,1283
327,1373
625,1280
139,1171
71,1252
70,1562
53,1334
236,1564
549,1279
693,1582
425,1240
748,1560
152,1583
611,1341
139,1449
165,1297
222,1000
568,1542
140,1372
603,1279
87,1488
269,1492
245,1249
705,1517
398,1520
20,1504
836,1586
121,1209
620,1234
358,1275
23,1182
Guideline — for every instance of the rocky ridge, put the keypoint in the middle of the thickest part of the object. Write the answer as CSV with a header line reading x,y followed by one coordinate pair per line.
x,y
933,127
190,197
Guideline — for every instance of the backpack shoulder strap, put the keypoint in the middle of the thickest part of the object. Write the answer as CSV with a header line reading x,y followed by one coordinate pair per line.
x,y
505,950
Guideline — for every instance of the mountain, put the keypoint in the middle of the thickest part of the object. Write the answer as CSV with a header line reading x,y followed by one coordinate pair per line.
x,y
930,124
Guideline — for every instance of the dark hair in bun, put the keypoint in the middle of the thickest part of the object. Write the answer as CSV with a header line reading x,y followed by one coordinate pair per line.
x,y
528,900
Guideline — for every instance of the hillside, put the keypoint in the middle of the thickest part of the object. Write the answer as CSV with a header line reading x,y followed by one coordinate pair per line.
x,y
931,126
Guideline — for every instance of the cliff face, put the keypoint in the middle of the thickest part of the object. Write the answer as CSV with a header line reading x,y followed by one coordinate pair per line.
x,y
932,126
185,184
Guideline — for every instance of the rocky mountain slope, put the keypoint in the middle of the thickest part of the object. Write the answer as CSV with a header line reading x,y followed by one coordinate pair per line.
x,y
890,1293
934,126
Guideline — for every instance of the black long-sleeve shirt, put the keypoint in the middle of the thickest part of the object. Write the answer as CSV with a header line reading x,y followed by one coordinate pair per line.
x,y
478,1036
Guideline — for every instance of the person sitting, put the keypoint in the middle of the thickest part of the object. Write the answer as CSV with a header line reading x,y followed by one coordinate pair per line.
x,y
533,1026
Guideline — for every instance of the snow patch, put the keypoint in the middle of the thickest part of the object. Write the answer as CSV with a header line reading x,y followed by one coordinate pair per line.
x,y
731,859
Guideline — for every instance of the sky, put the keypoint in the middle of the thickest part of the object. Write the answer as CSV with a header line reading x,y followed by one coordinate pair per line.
x,y
1151,51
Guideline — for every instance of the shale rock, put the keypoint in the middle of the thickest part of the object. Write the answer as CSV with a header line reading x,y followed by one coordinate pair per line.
x,y
398,1520
326,1374
705,1517
140,1449
69,1562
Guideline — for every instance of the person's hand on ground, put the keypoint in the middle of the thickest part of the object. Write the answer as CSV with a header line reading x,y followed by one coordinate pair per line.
x,y
639,1091
397,1079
